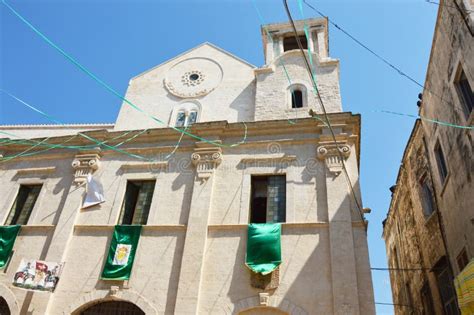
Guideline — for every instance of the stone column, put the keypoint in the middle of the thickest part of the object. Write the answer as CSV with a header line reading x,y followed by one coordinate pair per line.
x,y
343,263
205,158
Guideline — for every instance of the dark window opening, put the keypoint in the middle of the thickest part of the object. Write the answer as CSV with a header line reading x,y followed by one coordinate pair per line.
x,y
465,93
296,99
446,288
427,200
136,206
268,203
24,204
290,43
462,259
441,162
113,308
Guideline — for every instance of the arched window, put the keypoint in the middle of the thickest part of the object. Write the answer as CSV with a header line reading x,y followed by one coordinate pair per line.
x,y
113,308
297,96
185,114
4,309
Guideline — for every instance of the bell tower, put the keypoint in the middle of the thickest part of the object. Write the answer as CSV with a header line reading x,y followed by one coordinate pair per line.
x,y
284,89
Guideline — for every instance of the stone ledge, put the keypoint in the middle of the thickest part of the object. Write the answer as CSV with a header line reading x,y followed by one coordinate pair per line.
x,y
145,227
144,165
36,170
37,227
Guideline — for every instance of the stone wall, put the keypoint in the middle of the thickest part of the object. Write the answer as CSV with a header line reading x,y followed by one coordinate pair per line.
x,y
413,239
198,223
453,50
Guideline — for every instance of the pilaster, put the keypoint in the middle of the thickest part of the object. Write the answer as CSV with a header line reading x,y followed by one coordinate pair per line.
x,y
206,159
343,263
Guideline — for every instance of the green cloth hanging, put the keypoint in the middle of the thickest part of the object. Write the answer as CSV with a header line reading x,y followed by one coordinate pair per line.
x,y
263,247
8,236
122,252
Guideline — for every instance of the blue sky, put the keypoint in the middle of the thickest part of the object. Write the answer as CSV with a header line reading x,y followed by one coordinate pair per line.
x,y
119,39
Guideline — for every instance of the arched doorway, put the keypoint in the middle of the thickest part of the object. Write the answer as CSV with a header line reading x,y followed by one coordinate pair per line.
x,y
263,311
112,308
4,309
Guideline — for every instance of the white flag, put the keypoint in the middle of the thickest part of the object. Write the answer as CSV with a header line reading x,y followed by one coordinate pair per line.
x,y
94,194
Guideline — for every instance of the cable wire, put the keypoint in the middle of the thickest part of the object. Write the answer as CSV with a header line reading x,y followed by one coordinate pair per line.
x,y
380,57
333,135
108,87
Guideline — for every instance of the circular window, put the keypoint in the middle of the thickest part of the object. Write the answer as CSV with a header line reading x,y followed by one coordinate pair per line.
x,y
194,77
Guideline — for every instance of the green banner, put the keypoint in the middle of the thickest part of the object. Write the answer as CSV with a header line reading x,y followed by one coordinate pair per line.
x,y
8,235
263,247
122,252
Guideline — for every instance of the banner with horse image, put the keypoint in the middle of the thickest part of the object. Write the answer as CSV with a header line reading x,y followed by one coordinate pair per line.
x,y
37,275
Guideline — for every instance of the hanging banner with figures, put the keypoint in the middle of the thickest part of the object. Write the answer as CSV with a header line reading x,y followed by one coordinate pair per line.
x,y
37,275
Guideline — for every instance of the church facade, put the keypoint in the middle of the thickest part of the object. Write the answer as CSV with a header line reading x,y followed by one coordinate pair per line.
x,y
251,153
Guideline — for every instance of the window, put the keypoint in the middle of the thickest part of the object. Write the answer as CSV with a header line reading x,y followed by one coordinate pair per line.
x,y
441,162
268,203
185,114
426,300
290,43
296,99
136,206
24,203
445,286
465,92
462,259
426,193
186,119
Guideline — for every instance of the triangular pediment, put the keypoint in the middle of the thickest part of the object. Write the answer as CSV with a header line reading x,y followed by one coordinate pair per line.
x,y
194,50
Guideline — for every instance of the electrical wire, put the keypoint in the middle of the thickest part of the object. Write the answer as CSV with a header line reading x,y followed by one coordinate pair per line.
x,y
446,5
434,121
333,135
108,87
378,56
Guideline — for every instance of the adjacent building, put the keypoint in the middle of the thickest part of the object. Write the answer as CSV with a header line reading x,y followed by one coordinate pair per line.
x,y
255,156
430,224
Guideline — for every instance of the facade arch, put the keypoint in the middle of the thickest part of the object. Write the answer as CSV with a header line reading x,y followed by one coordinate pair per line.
x,y
10,299
96,297
274,306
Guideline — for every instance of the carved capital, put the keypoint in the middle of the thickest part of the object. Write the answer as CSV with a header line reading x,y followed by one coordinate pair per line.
x,y
206,158
334,155
85,163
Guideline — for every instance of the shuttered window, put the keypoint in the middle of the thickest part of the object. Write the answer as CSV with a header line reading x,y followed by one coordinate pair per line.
x,y
137,202
23,205
268,204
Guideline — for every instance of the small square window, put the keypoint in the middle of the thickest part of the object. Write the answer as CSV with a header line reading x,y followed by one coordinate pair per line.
x,y
137,202
441,162
464,90
24,204
268,202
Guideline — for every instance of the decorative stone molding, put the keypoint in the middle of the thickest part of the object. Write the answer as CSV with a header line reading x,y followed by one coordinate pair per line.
x,y
11,300
97,296
334,155
264,298
85,163
206,158
275,302
36,171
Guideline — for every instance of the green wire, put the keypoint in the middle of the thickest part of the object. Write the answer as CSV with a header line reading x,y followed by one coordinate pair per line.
x,y
105,85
